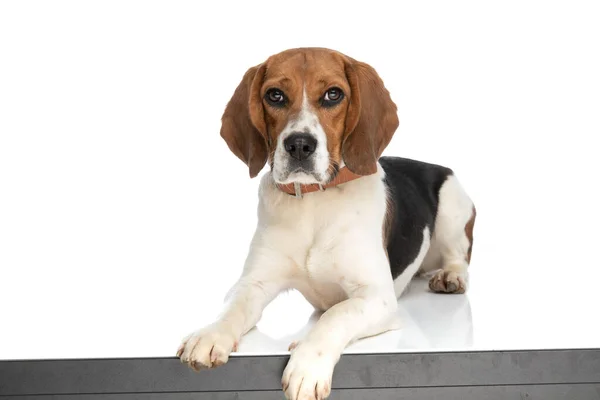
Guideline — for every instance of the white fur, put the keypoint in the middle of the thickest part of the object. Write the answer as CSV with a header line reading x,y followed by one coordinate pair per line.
x,y
449,244
329,246
307,121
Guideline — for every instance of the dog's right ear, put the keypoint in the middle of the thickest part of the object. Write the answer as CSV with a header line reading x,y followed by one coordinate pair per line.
x,y
243,124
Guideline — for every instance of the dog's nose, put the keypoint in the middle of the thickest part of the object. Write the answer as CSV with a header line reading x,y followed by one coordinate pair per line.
x,y
300,145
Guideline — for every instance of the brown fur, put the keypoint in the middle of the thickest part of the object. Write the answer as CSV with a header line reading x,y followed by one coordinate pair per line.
x,y
238,127
372,119
358,129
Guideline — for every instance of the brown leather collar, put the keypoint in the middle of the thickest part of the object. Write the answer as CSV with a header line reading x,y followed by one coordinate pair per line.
x,y
343,176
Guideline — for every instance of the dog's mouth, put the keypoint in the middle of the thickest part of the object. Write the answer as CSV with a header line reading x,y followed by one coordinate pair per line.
x,y
302,176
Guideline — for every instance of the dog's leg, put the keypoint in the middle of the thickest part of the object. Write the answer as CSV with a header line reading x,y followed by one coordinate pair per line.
x,y
210,347
367,312
453,238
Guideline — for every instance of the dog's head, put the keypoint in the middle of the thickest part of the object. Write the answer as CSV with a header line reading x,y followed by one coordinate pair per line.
x,y
308,112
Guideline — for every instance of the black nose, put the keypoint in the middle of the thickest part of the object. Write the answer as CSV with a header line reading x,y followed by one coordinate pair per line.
x,y
300,145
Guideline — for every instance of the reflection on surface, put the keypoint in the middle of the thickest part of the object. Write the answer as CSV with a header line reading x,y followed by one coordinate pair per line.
x,y
429,322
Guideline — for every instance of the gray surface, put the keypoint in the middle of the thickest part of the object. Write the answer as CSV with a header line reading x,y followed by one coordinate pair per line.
x,y
443,373
546,392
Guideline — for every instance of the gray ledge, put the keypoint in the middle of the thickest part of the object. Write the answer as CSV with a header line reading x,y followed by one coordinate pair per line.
x,y
548,374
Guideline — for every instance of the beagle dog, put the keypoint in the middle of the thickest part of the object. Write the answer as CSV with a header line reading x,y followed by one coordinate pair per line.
x,y
346,227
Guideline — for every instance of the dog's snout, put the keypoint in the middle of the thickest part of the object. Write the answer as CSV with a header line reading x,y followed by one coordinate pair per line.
x,y
300,145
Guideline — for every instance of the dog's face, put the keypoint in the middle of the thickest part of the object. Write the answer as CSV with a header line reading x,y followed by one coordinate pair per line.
x,y
309,112
305,101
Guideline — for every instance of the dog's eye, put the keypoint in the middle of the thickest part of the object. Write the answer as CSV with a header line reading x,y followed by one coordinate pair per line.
x,y
275,97
332,97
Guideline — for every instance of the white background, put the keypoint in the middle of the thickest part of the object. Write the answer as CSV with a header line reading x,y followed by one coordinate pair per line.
x,y
124,219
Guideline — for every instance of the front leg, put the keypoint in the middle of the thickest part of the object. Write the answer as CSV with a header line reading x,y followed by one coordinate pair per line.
x,y
260,283
369,311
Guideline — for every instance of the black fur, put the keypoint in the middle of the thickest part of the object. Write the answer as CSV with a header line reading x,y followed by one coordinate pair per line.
x,y
414,188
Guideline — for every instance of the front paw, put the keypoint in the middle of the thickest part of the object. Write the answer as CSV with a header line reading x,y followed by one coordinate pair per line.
x,y
208,348
307,375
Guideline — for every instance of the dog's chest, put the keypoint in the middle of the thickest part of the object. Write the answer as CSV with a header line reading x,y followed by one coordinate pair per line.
x,y
318,230
312,230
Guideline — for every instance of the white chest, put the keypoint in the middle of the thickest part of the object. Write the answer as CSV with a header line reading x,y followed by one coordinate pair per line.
x,y
318,231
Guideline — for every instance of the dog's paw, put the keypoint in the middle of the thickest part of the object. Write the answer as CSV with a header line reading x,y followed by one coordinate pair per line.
x,y
307,375
447,282
207,348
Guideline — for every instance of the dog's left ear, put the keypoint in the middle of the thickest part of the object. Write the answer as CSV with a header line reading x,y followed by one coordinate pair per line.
x,y
371,121
243,124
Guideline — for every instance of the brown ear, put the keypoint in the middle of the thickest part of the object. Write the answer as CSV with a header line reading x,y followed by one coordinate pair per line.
x,y
243,125
371,121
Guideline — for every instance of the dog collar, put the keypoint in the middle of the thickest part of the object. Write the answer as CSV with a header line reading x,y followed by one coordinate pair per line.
x,y
298,189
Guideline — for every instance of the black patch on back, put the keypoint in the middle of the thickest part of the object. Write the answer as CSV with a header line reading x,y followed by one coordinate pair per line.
x,y
413,196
